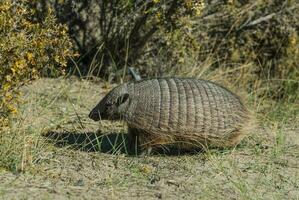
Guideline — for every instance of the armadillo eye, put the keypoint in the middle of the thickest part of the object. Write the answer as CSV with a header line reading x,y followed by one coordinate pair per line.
x,y
108,104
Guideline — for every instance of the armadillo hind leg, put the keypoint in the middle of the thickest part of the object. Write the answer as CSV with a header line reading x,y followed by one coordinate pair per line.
x,y
148,143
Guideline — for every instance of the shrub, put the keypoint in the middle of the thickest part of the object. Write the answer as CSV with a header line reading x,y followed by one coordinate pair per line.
x,y
112,34
29,47
252,44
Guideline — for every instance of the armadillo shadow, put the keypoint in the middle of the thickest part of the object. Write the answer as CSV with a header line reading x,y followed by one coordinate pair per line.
x,y
110,143
90,141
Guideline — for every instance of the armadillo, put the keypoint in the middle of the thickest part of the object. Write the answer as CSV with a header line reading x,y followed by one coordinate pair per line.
x,y
183,112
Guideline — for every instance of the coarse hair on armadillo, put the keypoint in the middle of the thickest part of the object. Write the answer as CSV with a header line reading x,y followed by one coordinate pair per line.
x,y
183,112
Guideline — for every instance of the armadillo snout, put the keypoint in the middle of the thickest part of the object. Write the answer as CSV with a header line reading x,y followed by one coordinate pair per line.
x,y
94,115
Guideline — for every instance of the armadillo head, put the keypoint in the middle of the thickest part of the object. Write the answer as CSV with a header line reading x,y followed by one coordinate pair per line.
x,y
113,106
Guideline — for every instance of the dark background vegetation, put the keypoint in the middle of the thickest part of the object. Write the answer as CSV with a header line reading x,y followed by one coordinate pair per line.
x,y
252,44
255,40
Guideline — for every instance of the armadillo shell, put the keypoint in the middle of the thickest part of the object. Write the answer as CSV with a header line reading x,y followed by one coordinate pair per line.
x,y
187,110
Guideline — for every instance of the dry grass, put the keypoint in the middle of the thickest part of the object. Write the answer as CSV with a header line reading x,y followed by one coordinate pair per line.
x,y
63,154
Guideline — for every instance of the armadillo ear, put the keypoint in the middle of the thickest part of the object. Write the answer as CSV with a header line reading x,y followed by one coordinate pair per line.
x,y
122,99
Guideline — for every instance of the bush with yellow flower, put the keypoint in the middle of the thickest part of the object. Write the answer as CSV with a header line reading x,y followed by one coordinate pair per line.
x,y
30,46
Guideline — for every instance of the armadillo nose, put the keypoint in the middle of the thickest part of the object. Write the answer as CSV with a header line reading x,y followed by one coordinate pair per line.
x,y
94,115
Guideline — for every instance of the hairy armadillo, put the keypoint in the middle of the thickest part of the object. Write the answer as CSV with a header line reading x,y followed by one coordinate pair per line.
x,y
184,112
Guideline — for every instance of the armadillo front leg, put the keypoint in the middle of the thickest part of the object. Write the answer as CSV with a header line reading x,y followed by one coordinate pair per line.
x,y
136,142
133,140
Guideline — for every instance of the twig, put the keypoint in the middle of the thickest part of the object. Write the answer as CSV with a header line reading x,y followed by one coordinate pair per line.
x,y
259,20
135,75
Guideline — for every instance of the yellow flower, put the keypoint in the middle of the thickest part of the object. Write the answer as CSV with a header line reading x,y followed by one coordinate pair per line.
x,y
12,109
198,7
29,56
6,86
20,64
293,39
